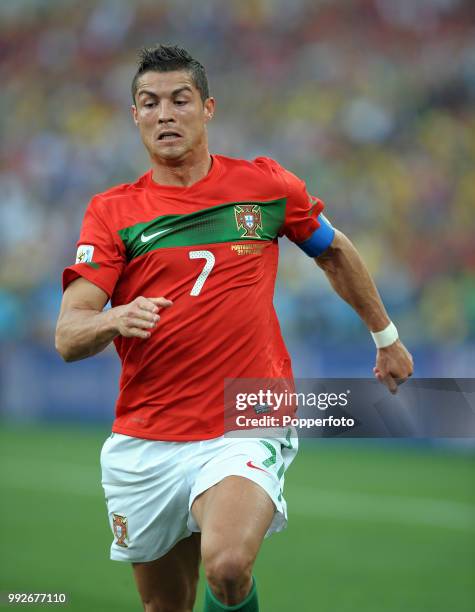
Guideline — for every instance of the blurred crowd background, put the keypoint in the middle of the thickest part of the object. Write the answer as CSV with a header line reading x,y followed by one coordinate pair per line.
x,y
370,101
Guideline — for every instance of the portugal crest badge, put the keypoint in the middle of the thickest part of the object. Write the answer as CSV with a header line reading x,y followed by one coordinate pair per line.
x,y
248,218
119,524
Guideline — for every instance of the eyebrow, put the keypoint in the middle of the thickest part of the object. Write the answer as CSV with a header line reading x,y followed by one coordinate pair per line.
x,y
175,92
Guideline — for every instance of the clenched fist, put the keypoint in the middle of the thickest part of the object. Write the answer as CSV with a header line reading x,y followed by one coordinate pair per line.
x,y
136,319
394,365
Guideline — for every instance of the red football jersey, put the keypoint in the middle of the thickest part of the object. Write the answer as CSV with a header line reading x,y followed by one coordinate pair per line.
x,y
212,249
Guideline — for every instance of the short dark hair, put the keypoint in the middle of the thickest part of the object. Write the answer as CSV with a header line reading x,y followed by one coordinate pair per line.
x,y
165,58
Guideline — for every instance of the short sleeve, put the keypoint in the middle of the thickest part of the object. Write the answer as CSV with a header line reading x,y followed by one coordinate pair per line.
x,y
100,255
304,224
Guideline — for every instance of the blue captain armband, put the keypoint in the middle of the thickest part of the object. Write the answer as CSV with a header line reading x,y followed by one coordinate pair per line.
x,y
321,238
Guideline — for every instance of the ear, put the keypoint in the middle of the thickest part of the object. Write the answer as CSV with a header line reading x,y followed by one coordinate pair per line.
x,y
133,108
209,108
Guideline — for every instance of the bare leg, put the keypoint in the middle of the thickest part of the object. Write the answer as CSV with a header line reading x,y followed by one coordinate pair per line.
x,y
169,583
234,516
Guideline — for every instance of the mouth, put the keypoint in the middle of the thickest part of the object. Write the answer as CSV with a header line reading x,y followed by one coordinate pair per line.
x,y
169,136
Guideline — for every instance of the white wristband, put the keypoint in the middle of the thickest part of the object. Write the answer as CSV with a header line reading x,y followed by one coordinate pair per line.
x,y
385,337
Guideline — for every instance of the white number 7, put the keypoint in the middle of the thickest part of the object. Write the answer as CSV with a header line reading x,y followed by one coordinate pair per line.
x,y
200,281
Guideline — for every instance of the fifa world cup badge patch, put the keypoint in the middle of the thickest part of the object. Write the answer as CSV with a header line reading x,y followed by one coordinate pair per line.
x,y
119,524
248,218
85,253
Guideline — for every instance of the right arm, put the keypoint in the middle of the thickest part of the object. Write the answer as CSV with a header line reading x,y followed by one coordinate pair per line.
x,y
85,329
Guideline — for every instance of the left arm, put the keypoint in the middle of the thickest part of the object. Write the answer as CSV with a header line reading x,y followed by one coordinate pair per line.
x,y
351,279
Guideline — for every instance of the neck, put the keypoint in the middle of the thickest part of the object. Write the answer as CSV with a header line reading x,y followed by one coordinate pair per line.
x,y
181,173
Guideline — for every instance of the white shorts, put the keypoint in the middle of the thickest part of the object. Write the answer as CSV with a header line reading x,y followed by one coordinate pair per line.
x,y
150,485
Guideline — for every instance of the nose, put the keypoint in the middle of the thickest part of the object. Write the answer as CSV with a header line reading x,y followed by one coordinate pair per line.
x,y
165,112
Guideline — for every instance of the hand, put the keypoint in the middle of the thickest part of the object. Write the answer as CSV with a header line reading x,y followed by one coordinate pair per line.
x,y
134,320
394,365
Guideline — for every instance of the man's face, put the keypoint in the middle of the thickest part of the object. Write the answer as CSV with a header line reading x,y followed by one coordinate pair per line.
x,y
170,114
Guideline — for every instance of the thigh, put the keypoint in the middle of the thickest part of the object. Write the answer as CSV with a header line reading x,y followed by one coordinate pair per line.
x,y
233,515
169,583
261,464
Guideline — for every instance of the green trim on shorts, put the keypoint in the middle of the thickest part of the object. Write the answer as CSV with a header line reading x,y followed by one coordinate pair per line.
x,y
288,440
273,453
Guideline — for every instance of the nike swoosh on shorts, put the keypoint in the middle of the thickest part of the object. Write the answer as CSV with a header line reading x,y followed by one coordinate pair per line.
x,y
256,467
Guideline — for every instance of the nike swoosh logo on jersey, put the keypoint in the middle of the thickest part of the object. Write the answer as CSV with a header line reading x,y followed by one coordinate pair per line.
x,y
256,467
145,238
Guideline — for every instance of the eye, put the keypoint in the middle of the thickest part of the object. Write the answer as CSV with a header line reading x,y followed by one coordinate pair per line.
x,y
181,102
150,104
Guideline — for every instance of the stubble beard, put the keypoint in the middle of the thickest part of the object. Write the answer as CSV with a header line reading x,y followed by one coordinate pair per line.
x,y
168,154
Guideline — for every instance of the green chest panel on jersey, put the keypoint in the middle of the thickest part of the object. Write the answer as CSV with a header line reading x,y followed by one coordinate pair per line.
x,y
223,223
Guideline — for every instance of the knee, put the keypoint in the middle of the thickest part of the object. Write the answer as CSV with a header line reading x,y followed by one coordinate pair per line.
x,y
228,569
